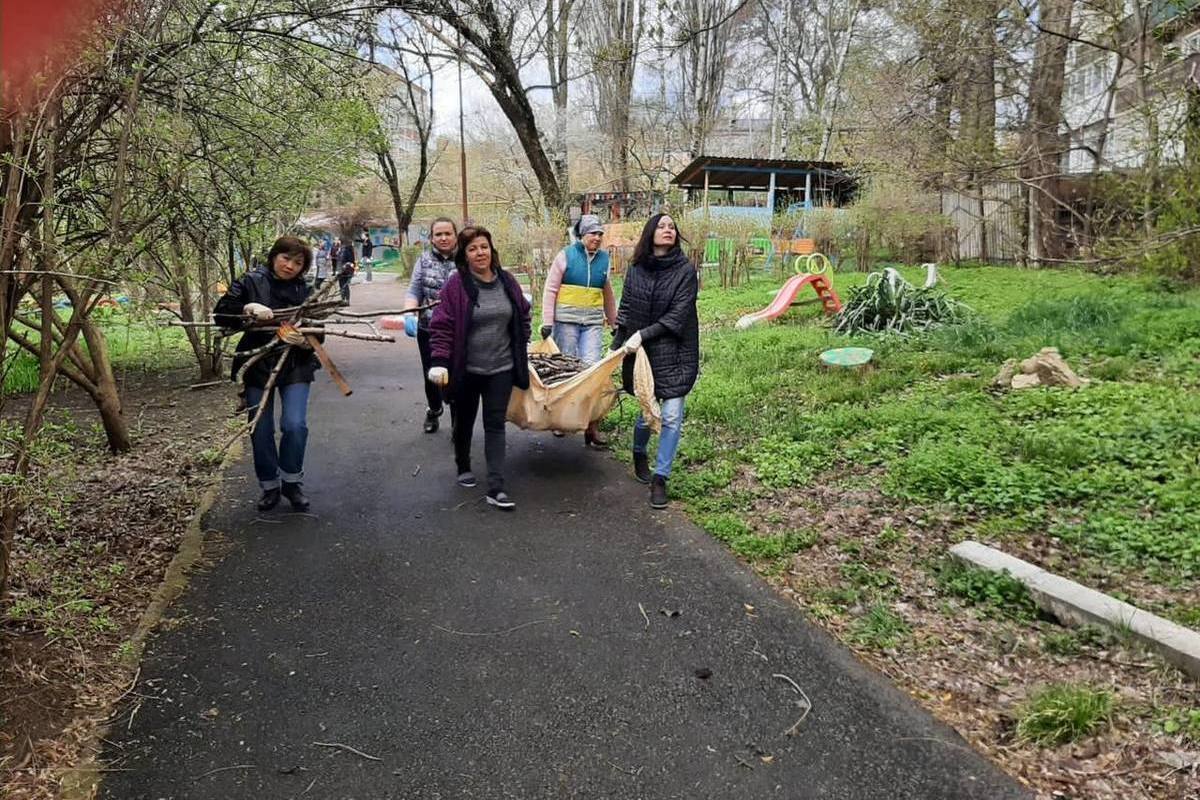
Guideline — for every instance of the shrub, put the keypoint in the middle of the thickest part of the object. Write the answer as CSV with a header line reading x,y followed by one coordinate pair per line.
x,y
888,303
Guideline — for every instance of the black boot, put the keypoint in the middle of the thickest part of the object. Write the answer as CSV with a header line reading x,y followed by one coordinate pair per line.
x,y
292,491
269,499
431,420
641,467
658,492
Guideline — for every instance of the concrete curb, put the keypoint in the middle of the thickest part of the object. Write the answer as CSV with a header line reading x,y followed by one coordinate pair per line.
x,y
1073,603
83,781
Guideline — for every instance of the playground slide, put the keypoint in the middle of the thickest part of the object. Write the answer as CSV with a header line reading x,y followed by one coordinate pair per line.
x,y
786,296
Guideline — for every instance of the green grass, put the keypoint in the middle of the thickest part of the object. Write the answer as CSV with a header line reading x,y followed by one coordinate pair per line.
x,y
880,628
135,342
1063,713
1112,470
741,539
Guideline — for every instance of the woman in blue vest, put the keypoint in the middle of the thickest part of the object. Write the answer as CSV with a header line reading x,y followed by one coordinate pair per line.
x,y
578,300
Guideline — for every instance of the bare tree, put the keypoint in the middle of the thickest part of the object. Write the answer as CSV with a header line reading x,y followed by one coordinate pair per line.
x,y
610,32
411,106
497,42
703,28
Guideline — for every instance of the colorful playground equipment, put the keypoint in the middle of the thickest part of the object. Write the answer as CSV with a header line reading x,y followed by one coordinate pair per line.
x,y
816,267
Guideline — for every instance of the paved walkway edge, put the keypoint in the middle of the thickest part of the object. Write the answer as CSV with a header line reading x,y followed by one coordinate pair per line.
x,y
83,781
1077,604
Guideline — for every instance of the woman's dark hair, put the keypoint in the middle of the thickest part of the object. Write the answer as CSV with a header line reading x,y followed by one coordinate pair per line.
x,y
290,245
437,221
465,237
645,245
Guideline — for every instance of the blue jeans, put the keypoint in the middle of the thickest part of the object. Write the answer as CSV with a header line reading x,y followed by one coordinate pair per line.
x,y
581,341
286,463
668,440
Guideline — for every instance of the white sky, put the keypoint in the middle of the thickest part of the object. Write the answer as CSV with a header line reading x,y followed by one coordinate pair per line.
x,y
476,99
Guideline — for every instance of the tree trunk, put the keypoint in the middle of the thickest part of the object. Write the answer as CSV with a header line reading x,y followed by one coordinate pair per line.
x,y
107,396
1044,142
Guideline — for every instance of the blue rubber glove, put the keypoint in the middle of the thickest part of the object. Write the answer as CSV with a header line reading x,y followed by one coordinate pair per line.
x,y
410,325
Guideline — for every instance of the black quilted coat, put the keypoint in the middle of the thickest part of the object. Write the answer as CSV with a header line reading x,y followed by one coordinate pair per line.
x,y
262,286
659,299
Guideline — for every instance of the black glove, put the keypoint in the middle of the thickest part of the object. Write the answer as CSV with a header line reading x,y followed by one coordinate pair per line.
x,y
546,331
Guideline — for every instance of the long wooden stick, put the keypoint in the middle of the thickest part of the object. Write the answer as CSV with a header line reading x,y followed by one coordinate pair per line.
x,y
328,364
366,337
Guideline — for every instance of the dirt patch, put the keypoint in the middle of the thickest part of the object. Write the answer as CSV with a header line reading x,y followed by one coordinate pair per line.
x,y
872,579
91,551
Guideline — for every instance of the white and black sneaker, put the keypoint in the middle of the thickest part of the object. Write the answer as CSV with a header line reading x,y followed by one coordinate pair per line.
x,y
500,500
467,479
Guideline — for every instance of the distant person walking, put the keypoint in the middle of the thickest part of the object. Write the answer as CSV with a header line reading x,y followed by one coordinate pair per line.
x,y
658,313
578,300
429,275
480,342
346,268
324,265
252,299
368,247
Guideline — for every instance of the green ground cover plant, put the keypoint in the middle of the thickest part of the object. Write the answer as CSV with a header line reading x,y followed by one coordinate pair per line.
x,y
1110,471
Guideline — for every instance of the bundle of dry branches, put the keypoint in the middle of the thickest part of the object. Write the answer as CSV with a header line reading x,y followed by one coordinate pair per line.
x,y
308,320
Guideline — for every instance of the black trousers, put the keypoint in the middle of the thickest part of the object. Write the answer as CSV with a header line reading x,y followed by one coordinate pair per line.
x,y
493,391
433,392
344,283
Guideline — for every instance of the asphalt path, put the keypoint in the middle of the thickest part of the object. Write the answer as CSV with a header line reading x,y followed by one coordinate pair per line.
x,y
405,640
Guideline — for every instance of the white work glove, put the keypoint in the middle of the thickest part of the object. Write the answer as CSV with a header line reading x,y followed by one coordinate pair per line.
x,y
633,342
258,311
438,376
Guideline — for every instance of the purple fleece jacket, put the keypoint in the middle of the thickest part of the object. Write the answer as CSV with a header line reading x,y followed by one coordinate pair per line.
x,y
451,324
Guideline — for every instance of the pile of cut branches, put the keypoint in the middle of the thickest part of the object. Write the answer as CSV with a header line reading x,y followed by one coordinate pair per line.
x,y
887,303
554,368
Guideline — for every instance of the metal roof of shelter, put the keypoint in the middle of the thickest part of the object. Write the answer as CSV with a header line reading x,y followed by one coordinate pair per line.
x,y
754,174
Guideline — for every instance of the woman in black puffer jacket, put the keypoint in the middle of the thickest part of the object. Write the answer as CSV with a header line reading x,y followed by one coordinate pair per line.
x,y
253,299
658,313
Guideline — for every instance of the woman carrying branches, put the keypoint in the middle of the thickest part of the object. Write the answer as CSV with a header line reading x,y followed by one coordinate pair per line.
x,y
480,349
249,302
658,313
429,275
578,301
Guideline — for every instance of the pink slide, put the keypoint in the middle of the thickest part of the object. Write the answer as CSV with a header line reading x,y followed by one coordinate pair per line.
x,y
786,296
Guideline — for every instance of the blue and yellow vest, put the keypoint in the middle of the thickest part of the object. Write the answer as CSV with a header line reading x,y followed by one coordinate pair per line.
x,y
581,296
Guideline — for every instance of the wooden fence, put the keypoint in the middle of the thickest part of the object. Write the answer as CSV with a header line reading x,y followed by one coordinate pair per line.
x,y
990,222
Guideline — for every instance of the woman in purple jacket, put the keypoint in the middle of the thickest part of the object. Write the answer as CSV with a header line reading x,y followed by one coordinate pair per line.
x,y
479,338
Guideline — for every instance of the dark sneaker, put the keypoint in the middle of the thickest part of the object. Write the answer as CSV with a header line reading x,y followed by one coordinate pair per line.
x,y
466,479
292,491
641,467
500,500
269,499
658,492
431,420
